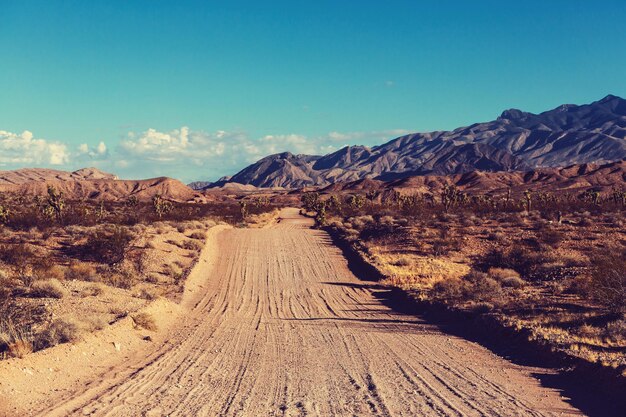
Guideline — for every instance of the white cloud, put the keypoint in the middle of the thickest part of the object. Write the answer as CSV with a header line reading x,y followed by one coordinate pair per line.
x,y
18,150
180,153
98,152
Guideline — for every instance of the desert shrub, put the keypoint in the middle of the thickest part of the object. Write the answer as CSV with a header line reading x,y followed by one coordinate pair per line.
x,y
15,341
608,280
152,278
81,272
59,331
49,288
107,246
616,330
54,272
93,290
174,271
450,289
513,282
445,242
551,237
192,245
120,278
144,321
402,261
482,287
502,273
197,236
18,256
148,293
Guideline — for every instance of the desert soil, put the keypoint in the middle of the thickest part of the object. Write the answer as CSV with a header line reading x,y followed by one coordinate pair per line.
x,y
278,326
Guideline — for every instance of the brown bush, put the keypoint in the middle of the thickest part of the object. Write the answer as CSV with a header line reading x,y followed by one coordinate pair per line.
x,y
608,280
49,288
106,246
144,321
82,272
59,331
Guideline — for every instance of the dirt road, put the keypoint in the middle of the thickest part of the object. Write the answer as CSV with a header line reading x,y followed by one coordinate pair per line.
x,y
283,328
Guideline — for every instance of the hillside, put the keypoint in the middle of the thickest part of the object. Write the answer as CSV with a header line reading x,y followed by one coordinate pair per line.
x,y
91,183
515,141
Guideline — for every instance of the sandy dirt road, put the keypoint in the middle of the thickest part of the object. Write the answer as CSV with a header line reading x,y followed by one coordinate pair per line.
x,y
285,329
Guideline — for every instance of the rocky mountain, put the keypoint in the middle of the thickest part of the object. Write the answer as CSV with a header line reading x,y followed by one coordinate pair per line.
x,y
515,141
91,183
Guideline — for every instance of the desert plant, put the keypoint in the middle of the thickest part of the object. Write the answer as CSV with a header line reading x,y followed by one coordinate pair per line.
x,y
144,321
161,206
49,288
107,246
608,280
55,203
59,331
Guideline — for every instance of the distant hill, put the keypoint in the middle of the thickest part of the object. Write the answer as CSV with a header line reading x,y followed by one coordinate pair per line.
x,y
515,141
91,183
574,179
24,175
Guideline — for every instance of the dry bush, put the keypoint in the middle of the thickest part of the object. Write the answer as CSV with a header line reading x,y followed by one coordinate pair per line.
x,y
616,330
15,342
197,236
49,288
105,245
483,287
608,280
148,293
174,271
450,289
144,321
551,237
59,331
93,290
475,286
192,245
53,272
81,272
153,278
120,278
506,277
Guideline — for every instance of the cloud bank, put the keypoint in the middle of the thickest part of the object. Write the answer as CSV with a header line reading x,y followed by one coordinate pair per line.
x,y
181,153
24,150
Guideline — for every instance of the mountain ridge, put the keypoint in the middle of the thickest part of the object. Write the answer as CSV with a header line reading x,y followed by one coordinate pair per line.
x,y
515,141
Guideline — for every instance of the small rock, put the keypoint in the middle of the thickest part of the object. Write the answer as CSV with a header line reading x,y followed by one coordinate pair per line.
x,y
117,346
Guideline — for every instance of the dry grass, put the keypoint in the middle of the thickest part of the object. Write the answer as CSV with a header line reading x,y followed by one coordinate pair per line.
x,y
144,321
49,288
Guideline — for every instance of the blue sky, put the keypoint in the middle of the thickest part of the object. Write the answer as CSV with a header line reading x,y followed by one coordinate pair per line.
x,y
199,89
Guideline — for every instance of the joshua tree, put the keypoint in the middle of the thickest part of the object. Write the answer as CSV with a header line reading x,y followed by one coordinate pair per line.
x,y
528,198
161,206
243,206
4,214
55,203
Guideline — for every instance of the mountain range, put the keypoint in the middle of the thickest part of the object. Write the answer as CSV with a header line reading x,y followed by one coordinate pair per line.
x,y
515,141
